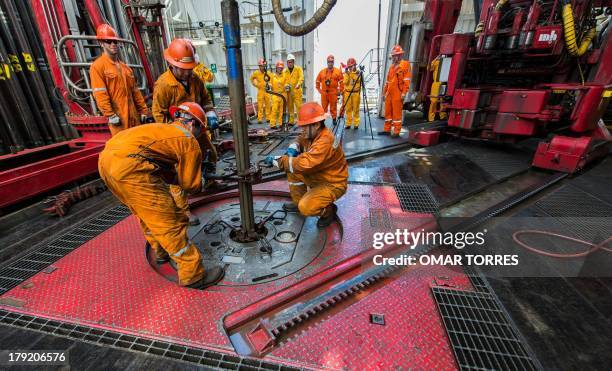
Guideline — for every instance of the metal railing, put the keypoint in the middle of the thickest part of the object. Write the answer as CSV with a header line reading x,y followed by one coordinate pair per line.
x,y
82,47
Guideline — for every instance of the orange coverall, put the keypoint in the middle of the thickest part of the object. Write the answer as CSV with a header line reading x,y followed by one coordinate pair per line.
x,y
398,82
137,165
329,93
318,176
352,87
115,91
294,97
264,104
168,91
278,82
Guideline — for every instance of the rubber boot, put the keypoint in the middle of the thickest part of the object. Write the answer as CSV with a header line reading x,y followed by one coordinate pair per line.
x,y
329,215
211,277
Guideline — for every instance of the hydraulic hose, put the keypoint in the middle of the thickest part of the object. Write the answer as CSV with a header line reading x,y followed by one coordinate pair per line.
x,y
317,18
570,33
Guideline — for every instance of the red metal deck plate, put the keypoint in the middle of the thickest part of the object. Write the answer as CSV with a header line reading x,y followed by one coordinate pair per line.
x,y
107,283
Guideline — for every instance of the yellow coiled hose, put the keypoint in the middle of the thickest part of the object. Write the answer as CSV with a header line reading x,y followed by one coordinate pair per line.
x,y
570,33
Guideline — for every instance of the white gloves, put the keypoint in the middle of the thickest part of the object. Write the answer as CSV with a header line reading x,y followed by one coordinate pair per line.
x,y
114,120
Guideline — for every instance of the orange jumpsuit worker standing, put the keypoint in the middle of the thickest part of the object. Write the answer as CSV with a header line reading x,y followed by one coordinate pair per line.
x,y
278,83
352,94
317,170
114,86
294,81
264,105
178,85
137,165
396,87
329,84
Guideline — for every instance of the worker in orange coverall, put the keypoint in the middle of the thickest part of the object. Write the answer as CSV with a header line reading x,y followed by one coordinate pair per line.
x,y
178,85
264,104
352,94
396,87
277,84
139,163
316,168
114,86
329,84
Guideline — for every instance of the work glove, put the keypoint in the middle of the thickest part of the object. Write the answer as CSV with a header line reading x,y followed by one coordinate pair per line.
x,y
213,122
293,150
271,160
114,120
143,118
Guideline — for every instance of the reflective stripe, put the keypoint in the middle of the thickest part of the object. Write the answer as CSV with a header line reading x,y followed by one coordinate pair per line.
x,y
387,120
291,165
181,251
295,183
185,131
397,120
99,89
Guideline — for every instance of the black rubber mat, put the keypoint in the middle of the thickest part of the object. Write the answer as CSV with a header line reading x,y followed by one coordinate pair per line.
x,y
416,197
481,335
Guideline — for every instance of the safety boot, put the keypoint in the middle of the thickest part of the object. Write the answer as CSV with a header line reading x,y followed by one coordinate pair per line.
x,y
193,220
212,276
334,122
329,215
290,207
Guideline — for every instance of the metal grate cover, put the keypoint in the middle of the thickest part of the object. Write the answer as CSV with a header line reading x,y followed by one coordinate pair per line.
x,y
480,333
416,197
135,343
46,254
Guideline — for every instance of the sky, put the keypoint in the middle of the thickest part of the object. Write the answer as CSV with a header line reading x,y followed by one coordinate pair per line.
x,y
349,31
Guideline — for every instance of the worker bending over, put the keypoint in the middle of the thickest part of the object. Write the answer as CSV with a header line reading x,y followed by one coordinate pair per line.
x,y
278,83
317,170
294,80
329,84
396,87
138,165
264,105
179,85
114,86
352,94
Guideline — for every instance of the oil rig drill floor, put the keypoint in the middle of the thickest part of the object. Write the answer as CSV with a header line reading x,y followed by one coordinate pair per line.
x,y
316,301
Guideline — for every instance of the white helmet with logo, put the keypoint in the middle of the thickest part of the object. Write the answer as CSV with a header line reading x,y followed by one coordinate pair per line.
x,y
290,57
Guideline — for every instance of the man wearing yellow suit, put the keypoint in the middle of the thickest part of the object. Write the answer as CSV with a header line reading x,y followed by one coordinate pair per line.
x,y
278,83
294,81
352,94
264,105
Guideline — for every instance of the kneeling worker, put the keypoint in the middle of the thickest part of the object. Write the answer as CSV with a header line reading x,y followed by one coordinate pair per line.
x,y
139,164
317,170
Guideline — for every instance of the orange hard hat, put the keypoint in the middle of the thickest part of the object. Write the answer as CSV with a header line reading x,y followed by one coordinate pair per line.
x,y
330,58
397,50
351,62
280,64
106,32
261,62
191,108
311,113
180,54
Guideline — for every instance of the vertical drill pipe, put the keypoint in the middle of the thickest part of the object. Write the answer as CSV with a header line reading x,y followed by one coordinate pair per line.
x,y
231,34
19,103
32,73
36,45
21,78
15,141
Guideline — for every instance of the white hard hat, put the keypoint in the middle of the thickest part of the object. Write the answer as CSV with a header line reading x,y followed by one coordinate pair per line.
x,y
290,57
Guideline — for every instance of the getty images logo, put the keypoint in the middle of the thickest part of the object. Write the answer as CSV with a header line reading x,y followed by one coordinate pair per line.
x,y
548,37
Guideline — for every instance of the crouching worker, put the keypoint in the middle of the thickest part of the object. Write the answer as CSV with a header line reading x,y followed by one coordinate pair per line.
x,y
317,170
138,165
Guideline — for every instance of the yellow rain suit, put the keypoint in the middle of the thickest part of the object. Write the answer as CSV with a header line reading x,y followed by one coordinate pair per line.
x,y
264,104
278,86
295,79
352,87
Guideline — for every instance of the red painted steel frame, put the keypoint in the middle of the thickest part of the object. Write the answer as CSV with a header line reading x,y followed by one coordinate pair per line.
x,y
27,181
